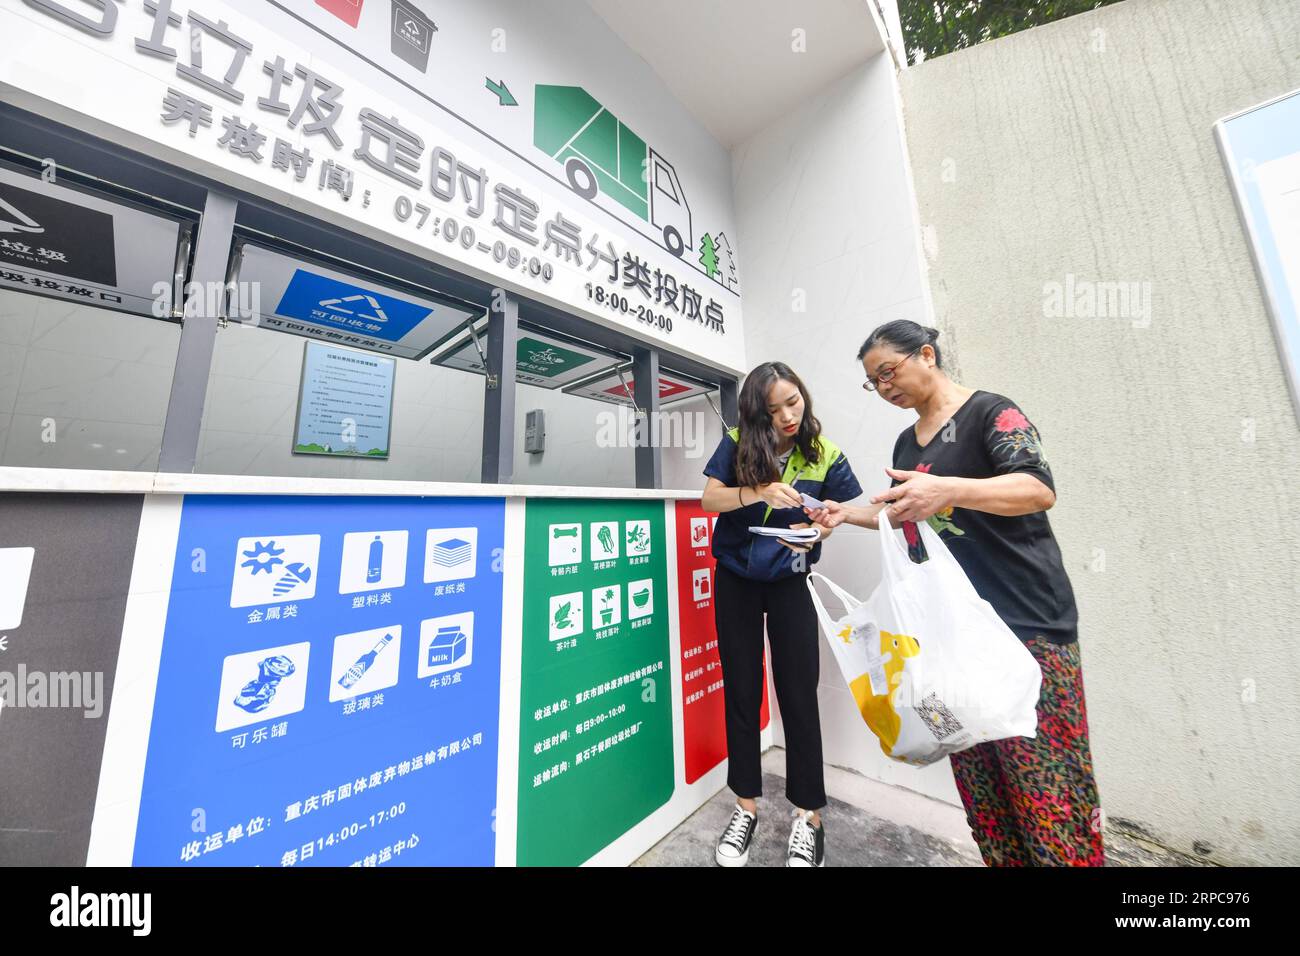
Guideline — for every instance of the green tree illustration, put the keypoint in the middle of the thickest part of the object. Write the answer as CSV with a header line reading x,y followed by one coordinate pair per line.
x,y
709,255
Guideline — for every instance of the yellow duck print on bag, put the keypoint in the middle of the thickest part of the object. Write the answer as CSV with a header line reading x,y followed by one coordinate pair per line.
x,y
878,709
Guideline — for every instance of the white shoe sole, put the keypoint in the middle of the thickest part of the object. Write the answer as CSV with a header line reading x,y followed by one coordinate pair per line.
x,y
722,860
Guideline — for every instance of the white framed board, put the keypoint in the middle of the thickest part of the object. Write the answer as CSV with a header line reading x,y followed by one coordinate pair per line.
x,y
1261,149
345,403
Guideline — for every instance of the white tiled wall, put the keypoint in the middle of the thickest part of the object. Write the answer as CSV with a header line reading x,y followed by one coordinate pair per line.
x,y
437,423
829,244
103,379
81,387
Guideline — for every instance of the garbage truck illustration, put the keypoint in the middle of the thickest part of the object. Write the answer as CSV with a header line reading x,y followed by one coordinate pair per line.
x,y
600,154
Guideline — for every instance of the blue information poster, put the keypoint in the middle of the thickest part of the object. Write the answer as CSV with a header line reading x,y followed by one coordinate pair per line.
x,y
328,692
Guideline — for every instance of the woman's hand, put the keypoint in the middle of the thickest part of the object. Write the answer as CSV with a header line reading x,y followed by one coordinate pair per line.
x,y
832,516
918,496
779,495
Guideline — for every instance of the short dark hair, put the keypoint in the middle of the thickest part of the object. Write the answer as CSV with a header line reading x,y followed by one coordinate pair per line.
x,y
905,336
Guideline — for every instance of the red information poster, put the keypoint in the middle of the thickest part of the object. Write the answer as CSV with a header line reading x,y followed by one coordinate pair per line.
x,y
703,720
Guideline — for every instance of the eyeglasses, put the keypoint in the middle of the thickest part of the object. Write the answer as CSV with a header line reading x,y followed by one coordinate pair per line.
x,y
886,374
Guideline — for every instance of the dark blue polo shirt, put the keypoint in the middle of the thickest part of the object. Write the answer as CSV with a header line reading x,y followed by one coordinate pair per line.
x,y
766,559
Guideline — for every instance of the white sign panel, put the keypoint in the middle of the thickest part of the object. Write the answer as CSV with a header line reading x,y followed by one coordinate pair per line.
x,y
75,245
345,403
497,138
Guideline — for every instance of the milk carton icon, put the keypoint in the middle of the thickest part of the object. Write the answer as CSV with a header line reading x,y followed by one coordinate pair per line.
x,y
446,644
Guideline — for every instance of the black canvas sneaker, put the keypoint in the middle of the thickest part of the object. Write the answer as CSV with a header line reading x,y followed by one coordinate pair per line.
x,y
733,847
807,845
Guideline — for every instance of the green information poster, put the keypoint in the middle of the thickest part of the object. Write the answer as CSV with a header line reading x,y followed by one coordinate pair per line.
x,y
595,735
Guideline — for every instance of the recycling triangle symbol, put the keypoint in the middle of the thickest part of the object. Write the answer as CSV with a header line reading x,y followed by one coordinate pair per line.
x,y
337,305
14,220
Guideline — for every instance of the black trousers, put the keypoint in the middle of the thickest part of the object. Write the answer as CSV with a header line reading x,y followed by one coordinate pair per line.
x,y
739,606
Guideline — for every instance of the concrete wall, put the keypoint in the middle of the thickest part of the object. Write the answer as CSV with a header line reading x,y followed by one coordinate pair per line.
x,y
1085,149
829,233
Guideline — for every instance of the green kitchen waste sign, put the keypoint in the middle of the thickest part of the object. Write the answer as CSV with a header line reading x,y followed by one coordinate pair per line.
x,y
595,735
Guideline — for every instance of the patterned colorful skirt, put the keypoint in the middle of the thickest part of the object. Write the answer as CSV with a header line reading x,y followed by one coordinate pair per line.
x,y
1033,801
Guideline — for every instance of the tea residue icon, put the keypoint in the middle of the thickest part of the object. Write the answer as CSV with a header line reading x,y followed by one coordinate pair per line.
x,y
562,615
257,694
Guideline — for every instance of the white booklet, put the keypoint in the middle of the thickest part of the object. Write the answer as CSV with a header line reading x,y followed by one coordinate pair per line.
x,y
796,535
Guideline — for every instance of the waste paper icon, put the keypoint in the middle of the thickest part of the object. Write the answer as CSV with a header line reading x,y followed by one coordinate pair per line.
x,y
451,552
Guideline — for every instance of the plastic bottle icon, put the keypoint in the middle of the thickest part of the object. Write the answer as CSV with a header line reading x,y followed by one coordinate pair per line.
x,y
375,564
363,663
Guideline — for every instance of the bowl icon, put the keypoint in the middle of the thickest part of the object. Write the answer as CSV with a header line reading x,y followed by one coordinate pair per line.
x,y
639,598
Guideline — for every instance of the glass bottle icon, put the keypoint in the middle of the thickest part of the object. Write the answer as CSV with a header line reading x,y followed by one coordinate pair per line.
x,y
375,562
358,669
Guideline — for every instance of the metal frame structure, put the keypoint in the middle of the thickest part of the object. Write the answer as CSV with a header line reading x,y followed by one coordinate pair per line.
x,y
221,211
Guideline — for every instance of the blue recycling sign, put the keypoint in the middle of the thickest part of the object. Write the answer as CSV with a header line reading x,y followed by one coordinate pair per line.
x,y
320,300
329,684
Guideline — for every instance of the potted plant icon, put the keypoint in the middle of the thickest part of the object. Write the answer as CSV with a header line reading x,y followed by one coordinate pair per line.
x,y
607,611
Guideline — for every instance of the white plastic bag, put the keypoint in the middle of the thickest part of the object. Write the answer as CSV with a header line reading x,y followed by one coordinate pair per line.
x,y
932,667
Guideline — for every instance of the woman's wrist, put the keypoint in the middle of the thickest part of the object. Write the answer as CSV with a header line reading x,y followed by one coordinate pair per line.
x,y
952,490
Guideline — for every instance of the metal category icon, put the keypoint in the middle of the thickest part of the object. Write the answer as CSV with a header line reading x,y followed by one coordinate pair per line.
x,y
274,568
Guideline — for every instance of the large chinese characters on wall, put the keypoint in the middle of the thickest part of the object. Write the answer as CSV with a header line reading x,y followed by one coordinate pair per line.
x,y
554,177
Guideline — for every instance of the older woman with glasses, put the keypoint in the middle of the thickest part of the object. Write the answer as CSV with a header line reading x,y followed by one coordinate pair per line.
x,y
973,467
